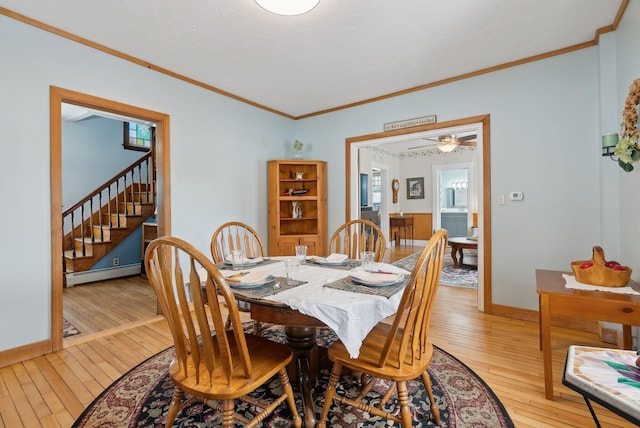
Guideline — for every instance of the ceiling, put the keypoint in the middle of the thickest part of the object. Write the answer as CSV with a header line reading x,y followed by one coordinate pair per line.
x,y
342,52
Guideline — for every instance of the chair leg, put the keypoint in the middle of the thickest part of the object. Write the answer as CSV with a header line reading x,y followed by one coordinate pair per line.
x,y
288,389
228,413
329,393
403,401
174,407
435,412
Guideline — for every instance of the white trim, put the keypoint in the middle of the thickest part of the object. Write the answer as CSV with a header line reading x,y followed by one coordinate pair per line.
x,y
76,278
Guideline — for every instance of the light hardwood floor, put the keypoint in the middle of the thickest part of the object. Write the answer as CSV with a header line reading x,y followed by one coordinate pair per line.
x,y
52,390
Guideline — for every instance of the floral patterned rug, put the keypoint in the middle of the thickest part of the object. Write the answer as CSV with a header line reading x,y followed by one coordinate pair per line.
x,y
141,398
463,276
68,329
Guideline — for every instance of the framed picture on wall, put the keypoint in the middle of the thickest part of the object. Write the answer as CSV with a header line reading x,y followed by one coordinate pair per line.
x,y
415,188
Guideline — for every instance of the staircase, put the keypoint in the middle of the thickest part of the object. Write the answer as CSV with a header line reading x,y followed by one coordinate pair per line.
x,y
103,219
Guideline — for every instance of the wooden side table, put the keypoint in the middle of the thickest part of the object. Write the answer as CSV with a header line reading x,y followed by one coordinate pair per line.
x,y
401,222
556,299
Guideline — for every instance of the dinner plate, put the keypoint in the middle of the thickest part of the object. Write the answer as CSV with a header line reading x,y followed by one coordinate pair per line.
x,y
323,261
377,284
267,280
247,262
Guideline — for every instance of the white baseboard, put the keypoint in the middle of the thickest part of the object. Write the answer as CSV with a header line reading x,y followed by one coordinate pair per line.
x,y
76,278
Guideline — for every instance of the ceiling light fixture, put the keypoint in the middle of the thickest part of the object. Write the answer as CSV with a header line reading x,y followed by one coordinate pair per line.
x,y
447,143
287,7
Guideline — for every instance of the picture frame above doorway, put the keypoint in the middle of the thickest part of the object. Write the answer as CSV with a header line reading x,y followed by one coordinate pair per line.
x,y
415,188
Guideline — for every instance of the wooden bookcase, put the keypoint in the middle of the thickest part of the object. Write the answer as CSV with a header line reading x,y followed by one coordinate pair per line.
x,y
308,180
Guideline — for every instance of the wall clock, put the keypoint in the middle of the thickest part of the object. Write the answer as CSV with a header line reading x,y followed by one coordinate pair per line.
x,y
395,185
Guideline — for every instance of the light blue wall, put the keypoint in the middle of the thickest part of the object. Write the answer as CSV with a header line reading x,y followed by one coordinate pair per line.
x,y
546,122
215,141
92,153
544,142
628,66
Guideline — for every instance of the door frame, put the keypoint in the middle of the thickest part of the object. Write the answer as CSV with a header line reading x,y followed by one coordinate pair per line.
x,y
58,96
485,302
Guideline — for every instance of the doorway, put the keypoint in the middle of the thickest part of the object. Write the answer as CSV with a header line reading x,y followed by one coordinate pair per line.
x,y
455,198
58,96
483,185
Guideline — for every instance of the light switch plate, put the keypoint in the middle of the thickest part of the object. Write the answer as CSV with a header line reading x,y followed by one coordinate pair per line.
x,y
516,196
501,200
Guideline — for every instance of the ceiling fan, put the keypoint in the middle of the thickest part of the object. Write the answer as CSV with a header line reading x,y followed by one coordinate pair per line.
x,y
447,143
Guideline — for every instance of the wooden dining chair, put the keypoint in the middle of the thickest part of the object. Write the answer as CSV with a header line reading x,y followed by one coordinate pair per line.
x,y
236,235
212,364
356,236
396,352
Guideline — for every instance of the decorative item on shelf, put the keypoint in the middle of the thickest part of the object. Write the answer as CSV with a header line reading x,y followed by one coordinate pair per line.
x,y
296,210
627,147
297,192
297,149
599,271
299,175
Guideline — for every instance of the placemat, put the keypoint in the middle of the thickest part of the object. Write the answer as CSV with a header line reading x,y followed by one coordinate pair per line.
x,y
225,265
267,289
347,266
347,284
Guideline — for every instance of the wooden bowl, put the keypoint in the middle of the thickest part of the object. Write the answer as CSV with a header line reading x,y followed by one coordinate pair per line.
x,y
599,274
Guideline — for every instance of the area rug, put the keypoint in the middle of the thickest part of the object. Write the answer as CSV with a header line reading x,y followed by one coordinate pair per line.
x,y
68,329
141,398
462,276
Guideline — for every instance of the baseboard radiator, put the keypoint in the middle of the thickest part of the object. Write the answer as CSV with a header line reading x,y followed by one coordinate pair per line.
x,y
75,278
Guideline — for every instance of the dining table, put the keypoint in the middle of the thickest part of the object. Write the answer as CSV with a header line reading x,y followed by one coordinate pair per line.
x,y
321,295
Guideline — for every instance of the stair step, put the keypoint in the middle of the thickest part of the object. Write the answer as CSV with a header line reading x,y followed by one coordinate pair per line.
x,y
143,197
96,240
69,254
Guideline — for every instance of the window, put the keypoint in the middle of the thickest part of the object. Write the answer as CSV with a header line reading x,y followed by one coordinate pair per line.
x,y
138,136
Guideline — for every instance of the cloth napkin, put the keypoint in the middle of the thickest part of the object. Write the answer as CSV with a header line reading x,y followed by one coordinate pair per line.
x,y
249,278
245,260
376,277
571,282
333,258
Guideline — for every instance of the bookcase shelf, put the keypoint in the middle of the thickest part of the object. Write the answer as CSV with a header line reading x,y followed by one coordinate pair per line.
x,y
285,230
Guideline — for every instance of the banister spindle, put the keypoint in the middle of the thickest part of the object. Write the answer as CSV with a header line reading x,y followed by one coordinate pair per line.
x,y
117,198
139,167
100,215
93,235
109,206
82,234
133,199
73,239
124,195
149,179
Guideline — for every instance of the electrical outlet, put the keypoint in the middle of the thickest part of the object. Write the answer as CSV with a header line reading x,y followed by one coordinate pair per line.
x,y
116,262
